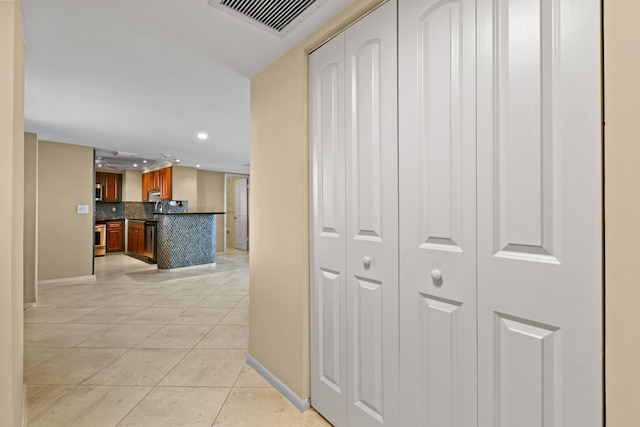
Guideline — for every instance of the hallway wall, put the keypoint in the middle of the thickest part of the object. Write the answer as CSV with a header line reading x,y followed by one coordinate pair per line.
x,y
211,199
11,218
622,210
65,180
30,218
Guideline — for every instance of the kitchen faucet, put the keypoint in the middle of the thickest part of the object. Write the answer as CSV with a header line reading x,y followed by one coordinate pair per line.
x,y
156,208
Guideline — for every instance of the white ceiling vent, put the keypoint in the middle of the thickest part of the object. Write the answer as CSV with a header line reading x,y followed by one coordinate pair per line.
x,y
276,16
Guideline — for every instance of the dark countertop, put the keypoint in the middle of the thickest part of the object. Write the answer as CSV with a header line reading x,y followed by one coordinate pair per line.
x,y
105,220
142,219
190,213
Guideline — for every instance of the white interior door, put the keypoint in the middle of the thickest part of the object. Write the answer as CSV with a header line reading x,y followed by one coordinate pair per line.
x,y
354,224
242,214
328,233
437,148
372,218
539,213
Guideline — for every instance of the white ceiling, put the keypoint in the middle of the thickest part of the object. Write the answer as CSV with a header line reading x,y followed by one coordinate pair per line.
x,y
146,77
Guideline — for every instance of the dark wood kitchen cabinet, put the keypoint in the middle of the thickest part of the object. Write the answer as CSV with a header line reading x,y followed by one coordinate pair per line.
x,y
111,183
115,234
155,180
135,237
165,184
158,180
146,186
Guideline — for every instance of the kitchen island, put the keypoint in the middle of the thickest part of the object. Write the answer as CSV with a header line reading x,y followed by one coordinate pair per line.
x,y
186,239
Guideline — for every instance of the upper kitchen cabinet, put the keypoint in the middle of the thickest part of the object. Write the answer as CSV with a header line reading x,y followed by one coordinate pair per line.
x,y
165,184
155,180
146,186
111,186
158,180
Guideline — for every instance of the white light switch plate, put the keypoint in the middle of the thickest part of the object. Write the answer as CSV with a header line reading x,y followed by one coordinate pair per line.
x,y
83,209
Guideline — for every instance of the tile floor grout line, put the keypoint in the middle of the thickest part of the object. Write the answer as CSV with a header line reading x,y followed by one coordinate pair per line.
x,y
29,417
134,406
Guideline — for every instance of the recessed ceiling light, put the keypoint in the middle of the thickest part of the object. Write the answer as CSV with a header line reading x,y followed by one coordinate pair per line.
x,y
135,165
203,136
99,165
197,166
177,160
144,161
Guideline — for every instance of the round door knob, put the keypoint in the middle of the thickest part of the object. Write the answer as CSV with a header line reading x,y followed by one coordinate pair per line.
x,y
436,275
366,261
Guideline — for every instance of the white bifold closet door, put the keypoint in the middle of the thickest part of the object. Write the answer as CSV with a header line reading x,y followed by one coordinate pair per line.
x,y
540,268
499,252
354,230
437,140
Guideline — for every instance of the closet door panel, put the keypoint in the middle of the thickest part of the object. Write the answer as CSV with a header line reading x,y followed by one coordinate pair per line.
x,y
539,213
437,212
372,218
328,232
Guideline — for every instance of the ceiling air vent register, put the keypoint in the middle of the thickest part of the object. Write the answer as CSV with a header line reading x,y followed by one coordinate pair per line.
x,y
278,16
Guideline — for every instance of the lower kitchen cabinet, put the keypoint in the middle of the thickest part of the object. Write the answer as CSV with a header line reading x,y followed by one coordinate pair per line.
x,y
135,237
115,234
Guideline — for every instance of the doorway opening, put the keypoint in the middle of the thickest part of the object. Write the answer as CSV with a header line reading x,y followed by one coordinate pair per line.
x,y
237,208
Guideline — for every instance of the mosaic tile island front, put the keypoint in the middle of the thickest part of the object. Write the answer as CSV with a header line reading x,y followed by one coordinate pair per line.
x,y
186,239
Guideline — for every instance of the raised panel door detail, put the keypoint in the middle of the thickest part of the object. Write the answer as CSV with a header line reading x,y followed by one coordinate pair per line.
x,y
328,239
329,162
526,182
539,265
528,375
440,125
329,332
367,323
371,130
437,190
441,372
366,141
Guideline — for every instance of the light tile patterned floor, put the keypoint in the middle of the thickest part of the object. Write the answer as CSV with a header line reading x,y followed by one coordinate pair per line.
x,y
142,348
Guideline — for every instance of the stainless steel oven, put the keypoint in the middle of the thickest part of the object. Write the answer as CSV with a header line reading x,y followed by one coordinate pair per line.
x,y
99,239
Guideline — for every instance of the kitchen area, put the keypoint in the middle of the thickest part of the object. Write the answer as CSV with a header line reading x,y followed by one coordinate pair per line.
x,y
141,218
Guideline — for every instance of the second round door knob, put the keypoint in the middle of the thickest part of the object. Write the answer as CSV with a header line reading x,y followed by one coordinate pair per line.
x,y
436,275
366,261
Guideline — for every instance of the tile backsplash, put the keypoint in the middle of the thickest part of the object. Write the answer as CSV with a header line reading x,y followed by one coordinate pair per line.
x,y
109,210
139,209
147,209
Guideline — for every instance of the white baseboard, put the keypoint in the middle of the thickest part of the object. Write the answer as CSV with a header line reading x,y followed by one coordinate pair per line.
x,y
70,280
301,405
24,405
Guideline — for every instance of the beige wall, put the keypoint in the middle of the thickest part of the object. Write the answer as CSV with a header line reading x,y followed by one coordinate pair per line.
x,y
65,180
279,209
622,211
132,186
185,186
30,217
11,218
211,199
